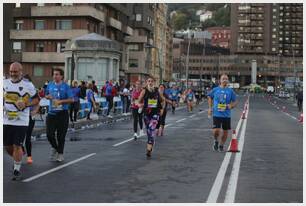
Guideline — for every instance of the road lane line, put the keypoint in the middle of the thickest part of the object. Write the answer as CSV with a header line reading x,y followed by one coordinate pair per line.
x,y
58,168
192,116
216,188
125,141
168,125
181,120
232,185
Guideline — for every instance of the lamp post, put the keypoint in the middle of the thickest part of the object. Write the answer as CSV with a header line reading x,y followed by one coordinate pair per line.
x,y
73,48
160,68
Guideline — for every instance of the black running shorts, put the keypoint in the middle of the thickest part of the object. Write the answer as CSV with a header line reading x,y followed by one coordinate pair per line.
x,y
221,121
14,135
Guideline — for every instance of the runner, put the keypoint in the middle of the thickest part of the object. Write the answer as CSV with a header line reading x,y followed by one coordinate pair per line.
x,y
162,119
153,105
28,143
220,102
174,93
16,102
60,95
74,107
137,111
108,91
189,100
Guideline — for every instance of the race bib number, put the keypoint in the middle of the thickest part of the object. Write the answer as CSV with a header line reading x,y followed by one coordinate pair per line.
x,y
221,107
13,115
56,106
152,103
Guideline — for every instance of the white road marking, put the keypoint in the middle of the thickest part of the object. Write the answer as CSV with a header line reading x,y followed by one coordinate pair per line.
x,y
181,120
232,185
216,188
168,125
57,168
192,116
125,141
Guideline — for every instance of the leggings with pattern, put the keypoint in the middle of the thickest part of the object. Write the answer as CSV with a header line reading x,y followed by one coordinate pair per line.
x,y
151,122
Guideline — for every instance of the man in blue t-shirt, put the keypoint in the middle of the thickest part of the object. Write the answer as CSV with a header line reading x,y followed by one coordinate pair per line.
x,y
60,96
173,95
220,102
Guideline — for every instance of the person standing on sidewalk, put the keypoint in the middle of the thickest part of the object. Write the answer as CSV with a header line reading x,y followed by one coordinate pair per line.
x,y
17,93
60,96
74,107
137,111
109,96
153,105
91,99
221,100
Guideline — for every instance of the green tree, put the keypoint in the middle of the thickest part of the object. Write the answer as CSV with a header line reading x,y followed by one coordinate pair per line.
x,y
180,21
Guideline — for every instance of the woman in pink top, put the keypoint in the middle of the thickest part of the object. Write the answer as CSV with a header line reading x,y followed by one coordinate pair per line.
x,y
136,110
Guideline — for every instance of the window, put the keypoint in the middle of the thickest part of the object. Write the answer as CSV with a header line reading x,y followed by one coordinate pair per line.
x,y
274,29
17,47
63,24
273,36
281,39
273,49
40,4
17,5
18,24
60,48
133,62
138,17
274,10
39,24
133,47
38,70
39,47
274,17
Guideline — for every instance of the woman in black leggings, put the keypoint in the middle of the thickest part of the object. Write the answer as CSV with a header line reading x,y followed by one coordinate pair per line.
x,y
137,113
162,119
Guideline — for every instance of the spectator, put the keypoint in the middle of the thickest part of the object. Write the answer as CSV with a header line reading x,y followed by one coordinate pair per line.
x,y
94,87
91,99
82,90
299,98
109,94
74,107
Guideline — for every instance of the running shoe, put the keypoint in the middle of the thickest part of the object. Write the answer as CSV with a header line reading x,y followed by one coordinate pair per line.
x,y
221,148
53,155
215,146
110,116
135,136
141,133
60,158
29,160
16,175
149,150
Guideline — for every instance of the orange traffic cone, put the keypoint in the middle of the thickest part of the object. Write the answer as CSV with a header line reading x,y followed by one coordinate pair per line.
x,y
301,118
234,143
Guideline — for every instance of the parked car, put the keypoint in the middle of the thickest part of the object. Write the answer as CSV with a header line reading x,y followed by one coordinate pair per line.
x,y
270,89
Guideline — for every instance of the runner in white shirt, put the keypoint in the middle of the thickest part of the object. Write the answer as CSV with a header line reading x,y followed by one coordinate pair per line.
x,y
16,99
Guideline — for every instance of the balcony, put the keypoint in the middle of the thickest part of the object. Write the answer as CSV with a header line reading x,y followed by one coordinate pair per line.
x,y
136,39
128,30
46,34
114,23
59,11
43,57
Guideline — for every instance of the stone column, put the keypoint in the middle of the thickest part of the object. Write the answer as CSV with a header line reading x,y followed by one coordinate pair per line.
x,y
110,70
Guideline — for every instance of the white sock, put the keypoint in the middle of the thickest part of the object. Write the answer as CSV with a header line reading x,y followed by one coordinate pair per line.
x,y
17,165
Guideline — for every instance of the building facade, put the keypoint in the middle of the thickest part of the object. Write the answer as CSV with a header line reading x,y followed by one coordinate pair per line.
x,y
275,29
220,36
271,69
36,34
140,57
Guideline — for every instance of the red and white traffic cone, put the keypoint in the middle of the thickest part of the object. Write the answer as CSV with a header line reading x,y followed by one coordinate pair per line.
x,y
234,143
301,118
284,109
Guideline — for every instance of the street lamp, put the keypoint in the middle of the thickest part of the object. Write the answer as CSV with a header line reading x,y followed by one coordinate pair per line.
x,y
160,68
73,48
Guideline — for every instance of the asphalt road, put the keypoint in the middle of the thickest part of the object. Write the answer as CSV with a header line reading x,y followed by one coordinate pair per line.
x,y
113,168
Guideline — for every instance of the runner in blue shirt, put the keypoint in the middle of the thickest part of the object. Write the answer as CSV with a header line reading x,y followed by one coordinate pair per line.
x,y
60,96
220,102
173,95
189,99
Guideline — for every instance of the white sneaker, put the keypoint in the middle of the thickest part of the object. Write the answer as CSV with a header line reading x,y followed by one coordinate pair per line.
x,y
124,114
53,154
135,136
110,116
141,133
60,157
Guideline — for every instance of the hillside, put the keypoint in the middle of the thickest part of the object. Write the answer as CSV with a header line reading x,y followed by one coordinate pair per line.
x,y
186,12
